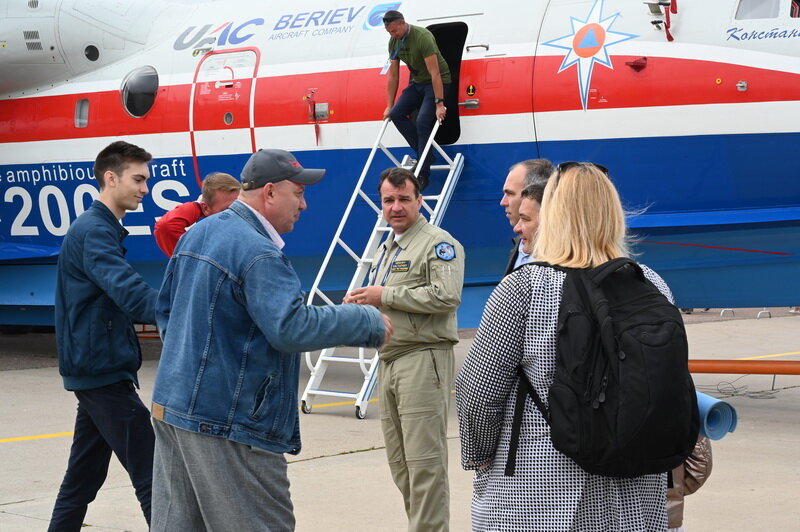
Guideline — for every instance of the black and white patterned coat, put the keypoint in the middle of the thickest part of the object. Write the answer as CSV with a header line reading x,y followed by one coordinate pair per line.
x,y
548,492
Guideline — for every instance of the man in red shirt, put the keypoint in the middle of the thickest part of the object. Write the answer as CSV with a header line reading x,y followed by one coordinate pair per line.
x,y
219,191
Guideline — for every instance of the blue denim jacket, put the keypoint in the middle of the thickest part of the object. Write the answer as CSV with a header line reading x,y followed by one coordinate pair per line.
x,y
98,293
233,321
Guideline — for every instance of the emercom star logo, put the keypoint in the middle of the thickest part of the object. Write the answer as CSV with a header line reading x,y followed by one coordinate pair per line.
x,y
588,44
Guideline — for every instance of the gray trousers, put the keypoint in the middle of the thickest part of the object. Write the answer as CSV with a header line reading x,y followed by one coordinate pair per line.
x,y
205,483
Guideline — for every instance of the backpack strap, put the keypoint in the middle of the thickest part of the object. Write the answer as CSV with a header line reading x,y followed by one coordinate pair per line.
x,y
601,273
524,389
587,282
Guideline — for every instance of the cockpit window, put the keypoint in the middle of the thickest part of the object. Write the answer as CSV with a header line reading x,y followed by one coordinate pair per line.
x,y
794,9
753,9
139,91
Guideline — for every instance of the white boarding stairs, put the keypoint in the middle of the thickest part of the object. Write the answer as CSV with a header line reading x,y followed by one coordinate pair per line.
x,y
435,206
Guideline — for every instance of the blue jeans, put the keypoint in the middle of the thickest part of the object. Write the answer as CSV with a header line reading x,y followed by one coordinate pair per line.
x,y
416,96
110,418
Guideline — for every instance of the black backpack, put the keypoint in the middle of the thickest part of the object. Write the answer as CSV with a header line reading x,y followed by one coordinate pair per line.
x,y
623,403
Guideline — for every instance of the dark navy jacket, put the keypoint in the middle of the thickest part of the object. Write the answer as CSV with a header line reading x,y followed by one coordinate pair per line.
x,y
98,294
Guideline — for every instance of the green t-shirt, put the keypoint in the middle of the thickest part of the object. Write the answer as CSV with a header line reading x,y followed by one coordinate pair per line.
x,y
420,44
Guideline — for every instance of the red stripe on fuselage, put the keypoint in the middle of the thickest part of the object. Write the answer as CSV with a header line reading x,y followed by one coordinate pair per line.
x,y
715,247
663,82
502,86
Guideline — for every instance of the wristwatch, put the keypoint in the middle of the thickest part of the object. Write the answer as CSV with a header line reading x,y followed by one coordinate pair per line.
x,y
437,101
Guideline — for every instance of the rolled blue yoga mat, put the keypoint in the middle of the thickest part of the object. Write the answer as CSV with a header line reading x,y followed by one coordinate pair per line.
x,y
717,418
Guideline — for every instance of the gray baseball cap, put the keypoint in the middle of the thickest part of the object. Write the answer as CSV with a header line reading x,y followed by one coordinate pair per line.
x,y
272,166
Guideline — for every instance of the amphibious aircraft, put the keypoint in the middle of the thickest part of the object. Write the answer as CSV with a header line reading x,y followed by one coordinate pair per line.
x,y
694,106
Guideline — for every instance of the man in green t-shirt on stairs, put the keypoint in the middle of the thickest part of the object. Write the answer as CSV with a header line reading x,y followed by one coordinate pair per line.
x,y
430,79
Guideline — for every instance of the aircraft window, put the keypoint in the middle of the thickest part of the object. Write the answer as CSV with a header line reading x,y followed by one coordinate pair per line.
x,y
139,91
82,113
794,10
91,52
750,9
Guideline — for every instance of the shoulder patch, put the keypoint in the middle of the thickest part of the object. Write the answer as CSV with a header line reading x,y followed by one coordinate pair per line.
x,y
445,251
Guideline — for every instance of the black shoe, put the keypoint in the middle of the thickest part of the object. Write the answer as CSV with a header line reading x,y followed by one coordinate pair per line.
x,y
430,159
422,178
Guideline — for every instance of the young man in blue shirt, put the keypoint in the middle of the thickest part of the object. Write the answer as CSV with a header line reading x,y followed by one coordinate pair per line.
x,y
98,297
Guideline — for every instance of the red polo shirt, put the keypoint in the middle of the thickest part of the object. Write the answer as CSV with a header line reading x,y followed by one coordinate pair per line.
x,y
173,225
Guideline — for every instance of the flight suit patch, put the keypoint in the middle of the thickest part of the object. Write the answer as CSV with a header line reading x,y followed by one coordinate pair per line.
x,y
445,251
401,266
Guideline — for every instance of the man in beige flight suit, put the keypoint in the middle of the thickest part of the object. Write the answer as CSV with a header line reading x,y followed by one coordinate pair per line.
x,y
416,280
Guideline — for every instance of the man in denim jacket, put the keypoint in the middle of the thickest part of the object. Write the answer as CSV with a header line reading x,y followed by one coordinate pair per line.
x,y
98,293
233,321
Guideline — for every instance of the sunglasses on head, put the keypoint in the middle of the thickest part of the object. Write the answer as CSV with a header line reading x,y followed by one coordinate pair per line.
x,y
573,164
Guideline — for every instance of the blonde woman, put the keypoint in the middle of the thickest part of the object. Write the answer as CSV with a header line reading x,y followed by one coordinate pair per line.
x,y
581,225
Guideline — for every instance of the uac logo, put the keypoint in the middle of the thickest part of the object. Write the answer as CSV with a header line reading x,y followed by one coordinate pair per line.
x,y
222,36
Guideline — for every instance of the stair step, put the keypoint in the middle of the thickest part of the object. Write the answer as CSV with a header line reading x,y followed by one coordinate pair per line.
x,y
352,360
330,393
368,361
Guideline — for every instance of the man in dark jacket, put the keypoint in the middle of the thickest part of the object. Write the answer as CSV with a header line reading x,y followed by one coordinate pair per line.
x,y
520,176
98,296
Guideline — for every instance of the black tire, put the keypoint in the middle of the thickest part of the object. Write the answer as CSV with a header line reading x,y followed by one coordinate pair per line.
x,y
360,414
305,407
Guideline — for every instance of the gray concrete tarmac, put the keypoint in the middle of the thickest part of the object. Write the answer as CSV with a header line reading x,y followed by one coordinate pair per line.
x,y
340,482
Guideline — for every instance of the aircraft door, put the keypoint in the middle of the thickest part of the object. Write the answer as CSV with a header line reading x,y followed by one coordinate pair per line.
x,y
221,119
450,37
